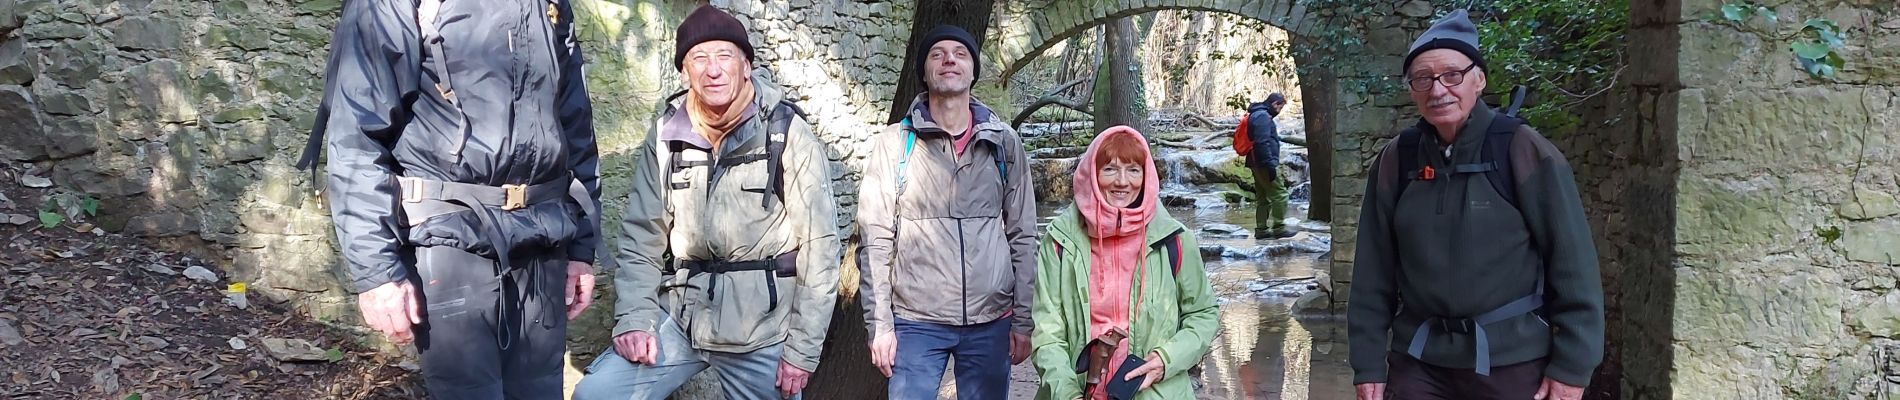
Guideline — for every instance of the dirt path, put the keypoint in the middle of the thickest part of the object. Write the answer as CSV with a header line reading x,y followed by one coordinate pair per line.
x,y
99,316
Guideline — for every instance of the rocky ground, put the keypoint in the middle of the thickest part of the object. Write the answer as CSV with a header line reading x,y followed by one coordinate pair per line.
x,y
85,314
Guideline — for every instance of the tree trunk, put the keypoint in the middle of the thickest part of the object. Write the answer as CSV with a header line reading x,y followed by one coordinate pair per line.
x,y
1319,91
971,15
844,366
1118,92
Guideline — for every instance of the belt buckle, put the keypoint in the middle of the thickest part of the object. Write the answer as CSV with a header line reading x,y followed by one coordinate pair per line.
x,y
517,197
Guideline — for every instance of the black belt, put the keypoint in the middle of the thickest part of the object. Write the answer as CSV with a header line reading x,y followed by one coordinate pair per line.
x,y
508,197
783,266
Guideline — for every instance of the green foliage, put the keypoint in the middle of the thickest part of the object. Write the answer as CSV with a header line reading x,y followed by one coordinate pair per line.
x,y
62,207
1816,46
1564,51
1828,234
333,354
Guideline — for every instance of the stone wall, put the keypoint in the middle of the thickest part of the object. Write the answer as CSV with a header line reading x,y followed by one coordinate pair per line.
x,y
1786,227
183,118
1373,106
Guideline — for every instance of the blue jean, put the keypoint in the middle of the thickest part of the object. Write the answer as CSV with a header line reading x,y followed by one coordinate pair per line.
x,y
981,352
746,376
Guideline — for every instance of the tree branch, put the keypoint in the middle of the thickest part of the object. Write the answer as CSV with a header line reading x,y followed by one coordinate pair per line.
x,y
1053,98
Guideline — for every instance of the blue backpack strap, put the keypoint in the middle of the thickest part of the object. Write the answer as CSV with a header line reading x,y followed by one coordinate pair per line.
x,y
910,143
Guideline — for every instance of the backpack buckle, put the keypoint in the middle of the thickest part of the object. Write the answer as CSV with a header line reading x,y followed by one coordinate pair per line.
x,y
1427,173
411,189
517,197
1461,325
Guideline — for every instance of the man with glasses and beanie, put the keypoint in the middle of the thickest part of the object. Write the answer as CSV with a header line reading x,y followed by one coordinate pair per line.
x,y
1475,275
730,254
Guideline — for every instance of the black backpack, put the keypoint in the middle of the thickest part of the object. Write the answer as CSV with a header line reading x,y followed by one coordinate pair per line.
x,y
1494,160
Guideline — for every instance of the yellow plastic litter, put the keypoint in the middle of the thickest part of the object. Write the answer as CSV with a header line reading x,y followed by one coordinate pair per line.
x,y
236,287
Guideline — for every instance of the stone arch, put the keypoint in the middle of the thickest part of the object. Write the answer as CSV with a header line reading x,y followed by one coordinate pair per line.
x,y
1022,30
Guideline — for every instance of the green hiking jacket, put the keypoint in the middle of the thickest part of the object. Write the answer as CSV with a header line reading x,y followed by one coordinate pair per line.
x,y
1177,316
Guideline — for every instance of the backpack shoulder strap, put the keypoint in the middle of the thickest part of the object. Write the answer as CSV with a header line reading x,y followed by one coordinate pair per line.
x,y
1497,153
778,134
910,143
1409,165
1170,247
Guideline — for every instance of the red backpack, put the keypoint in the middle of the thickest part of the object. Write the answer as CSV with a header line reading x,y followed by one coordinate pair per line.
x,y
1243,145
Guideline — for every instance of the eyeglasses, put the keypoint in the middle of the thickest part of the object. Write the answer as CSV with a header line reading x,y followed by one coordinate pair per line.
x,y
1449,79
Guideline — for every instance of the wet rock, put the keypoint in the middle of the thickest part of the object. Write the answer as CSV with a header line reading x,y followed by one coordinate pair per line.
x,y
294,350
1057,152
16,219
1226,231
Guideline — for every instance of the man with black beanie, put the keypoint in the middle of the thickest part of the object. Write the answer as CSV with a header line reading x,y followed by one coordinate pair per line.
x,y
1475,275
729,258
948,218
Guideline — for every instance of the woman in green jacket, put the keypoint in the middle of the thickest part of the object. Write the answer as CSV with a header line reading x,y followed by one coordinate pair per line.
x,y
1115,268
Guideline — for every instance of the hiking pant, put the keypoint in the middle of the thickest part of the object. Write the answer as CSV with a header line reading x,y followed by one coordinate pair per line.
x,y
489,337
1411,379
1270,192
981,352
742,376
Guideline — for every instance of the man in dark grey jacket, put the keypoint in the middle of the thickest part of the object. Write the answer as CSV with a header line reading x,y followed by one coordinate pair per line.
x,y
1475,275
1264,160
462,181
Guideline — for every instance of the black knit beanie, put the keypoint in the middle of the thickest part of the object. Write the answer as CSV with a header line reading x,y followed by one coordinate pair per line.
x,y
1455,32
949,32
708,24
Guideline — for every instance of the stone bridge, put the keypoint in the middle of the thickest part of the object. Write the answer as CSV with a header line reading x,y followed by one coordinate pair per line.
x,y
1023,29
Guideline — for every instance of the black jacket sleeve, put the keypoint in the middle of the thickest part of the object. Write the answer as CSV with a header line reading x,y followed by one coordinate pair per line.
x,y
577,125
370,82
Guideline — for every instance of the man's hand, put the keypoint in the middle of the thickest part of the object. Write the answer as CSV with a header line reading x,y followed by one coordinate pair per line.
x,y
392,310
580,288
884,352
791,379
637,347
1150,371
1018,348
1370,391
1554,390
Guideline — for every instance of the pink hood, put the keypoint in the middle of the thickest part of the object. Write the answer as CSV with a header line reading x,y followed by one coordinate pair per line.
x,y
1102,220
